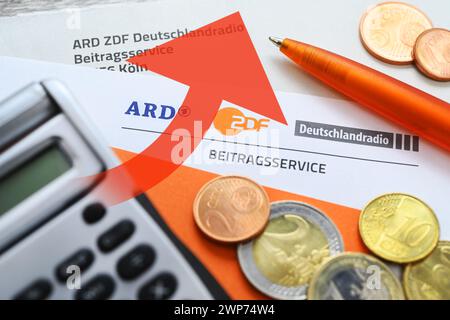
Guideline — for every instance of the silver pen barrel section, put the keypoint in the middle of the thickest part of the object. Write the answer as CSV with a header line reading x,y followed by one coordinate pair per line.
x,y
276,41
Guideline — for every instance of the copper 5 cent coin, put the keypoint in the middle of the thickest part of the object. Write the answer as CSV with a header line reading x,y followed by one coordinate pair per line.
x,y
432,54
231,209
389,31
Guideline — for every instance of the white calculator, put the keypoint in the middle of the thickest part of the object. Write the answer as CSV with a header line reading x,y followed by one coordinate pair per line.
x,y
57,241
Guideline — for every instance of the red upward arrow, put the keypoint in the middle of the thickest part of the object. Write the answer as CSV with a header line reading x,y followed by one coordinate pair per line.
x,y
218,62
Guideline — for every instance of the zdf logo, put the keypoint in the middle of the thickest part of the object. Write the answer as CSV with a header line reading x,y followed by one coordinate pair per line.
x,y
230,121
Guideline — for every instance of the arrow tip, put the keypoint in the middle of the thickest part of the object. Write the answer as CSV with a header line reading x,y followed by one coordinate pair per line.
x,y
220,59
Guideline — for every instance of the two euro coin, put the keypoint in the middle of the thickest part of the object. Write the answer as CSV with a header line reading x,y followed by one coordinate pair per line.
x,y
297,240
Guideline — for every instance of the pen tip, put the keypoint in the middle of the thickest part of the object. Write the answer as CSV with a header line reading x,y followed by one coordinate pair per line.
x,y
276,41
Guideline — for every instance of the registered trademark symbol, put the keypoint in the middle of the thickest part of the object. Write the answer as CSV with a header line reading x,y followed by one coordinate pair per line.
x,y
184,111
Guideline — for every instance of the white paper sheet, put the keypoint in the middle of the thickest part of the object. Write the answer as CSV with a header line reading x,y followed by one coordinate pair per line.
x,y
330,24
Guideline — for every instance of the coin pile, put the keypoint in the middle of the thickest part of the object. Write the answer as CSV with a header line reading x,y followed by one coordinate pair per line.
x,y
291,250
399,33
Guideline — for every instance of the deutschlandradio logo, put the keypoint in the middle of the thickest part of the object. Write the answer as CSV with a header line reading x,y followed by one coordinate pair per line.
x,y
230,121
356,135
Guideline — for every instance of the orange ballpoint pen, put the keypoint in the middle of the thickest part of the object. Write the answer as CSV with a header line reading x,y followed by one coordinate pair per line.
x,y
417,111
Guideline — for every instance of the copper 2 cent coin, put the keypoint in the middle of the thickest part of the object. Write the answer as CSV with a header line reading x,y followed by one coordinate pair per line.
x,y
231,209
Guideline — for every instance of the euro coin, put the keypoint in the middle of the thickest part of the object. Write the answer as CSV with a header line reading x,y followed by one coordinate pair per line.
x,y
281,261
231,209
429,279
397,269
432,54
354,276
399,228
389,31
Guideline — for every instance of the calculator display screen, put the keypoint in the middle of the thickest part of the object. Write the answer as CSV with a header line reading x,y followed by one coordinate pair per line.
x,y
29,177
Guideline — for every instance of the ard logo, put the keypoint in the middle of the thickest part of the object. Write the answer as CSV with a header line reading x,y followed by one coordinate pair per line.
x,y
230,121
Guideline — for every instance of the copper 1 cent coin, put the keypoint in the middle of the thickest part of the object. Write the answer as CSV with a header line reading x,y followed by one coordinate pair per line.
x,y
231,209
389,31
432,54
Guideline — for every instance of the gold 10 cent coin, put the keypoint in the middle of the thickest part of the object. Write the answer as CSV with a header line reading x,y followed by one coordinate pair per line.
x,y
429,279
354,276
399,228
432,54
231,209
389,31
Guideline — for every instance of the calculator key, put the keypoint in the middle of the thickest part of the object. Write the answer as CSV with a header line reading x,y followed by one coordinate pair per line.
x,y
161,287
38,290
100,287
82,258
136,262
94,213
115,236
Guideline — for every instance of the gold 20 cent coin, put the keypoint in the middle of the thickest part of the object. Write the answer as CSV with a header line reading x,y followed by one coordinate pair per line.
x,y
390,29
231,209
399,228
429,279
432,54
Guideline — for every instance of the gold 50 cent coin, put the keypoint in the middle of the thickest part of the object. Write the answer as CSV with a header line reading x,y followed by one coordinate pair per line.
x,y
429,279
389,30
231,209
354,276
399,228
432,54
